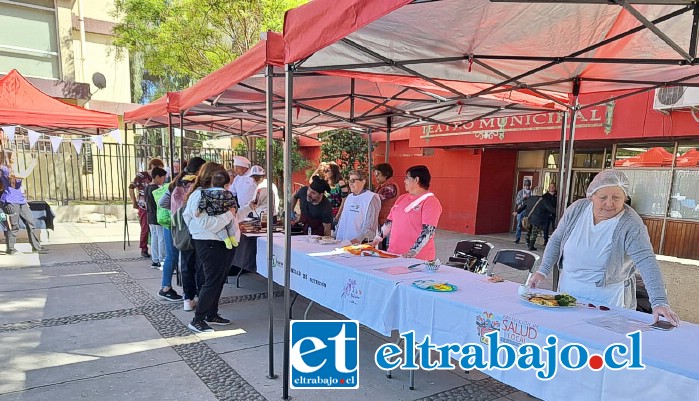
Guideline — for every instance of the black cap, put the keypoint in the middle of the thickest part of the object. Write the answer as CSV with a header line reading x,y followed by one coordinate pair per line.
x,y
319,185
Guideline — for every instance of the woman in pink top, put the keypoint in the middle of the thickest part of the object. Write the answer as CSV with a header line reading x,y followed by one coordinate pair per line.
x,y
413,218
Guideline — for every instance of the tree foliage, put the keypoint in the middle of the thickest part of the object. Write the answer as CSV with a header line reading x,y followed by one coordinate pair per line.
x,y
346,148
181,41
298,162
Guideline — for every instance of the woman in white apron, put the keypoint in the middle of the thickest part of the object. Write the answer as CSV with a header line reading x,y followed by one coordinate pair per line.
x,y
360,211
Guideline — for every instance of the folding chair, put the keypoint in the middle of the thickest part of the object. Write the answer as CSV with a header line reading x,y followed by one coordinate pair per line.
x,y
471,255
516,259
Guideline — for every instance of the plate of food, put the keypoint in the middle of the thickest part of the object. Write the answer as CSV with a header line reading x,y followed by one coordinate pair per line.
x,y
553,300
367,250
327,240
434,285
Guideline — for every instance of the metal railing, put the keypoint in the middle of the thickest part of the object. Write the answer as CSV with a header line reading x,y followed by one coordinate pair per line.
x,y
95,175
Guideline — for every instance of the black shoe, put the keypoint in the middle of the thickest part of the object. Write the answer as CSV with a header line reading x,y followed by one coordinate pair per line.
x,y
200,327
531,248
10,251
145,254
154,265
170,295
516,241
217,320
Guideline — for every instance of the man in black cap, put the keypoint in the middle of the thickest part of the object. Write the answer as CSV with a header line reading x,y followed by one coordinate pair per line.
x,y
522,195
316,210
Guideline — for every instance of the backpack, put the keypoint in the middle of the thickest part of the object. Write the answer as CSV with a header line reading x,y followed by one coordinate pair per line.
x,y
162,215
181,237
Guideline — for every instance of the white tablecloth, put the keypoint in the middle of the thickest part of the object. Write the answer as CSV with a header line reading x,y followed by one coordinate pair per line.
x,y
355,287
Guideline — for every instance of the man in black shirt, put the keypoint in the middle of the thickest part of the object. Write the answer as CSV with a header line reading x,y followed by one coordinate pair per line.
x,y
316,210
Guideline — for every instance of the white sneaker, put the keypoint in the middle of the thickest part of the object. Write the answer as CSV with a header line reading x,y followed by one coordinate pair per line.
x,y
189,305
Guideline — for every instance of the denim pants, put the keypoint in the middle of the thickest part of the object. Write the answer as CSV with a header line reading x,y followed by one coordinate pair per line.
x,y
157,243
518,229
172,255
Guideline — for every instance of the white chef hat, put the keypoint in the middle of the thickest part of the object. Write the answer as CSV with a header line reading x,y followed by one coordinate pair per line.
x,y
241,161
609,178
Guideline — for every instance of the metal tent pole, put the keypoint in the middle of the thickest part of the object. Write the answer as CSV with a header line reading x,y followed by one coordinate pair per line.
x,y
269,70
182,158
171,141
126,195
569,164
369,161
389,123
561,167
289,106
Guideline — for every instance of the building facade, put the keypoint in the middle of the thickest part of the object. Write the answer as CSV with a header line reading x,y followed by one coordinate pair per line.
x,y
478,168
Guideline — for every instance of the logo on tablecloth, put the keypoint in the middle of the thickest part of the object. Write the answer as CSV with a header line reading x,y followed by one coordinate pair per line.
x,y
351,293
486,323
324,354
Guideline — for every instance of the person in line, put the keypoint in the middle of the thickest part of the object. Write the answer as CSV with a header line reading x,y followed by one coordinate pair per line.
x,y
164,219
243,186
551,197
190,268
388,192
157,239
216,201
598,245
536,210
259,203
360,217
338,188
316,211
319,171
140,182
15,207
413,219
522,194
215,258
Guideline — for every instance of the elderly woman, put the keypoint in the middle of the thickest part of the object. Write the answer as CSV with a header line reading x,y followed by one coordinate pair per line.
x,y
359,221
599,243
413,219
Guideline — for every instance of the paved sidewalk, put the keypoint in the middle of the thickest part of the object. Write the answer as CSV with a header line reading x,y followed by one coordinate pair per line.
x,y
84,323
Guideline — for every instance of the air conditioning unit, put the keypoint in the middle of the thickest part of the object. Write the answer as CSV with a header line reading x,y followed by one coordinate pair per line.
x,y
675,97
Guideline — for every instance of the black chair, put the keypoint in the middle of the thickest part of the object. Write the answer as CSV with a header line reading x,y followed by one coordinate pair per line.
x,y
516,259
471,255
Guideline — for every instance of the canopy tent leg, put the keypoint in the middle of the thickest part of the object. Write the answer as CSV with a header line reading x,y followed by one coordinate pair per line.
x,y
369,161
126,190
270,216
569,164
171,142
182,158
389,123
289,109
561,167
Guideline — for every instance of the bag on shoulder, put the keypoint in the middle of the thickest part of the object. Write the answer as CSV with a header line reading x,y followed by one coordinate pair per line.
x,y
526,225
181,237
162,215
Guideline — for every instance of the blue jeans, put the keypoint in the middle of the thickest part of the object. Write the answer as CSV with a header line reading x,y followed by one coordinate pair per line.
x,y
171,257
518,229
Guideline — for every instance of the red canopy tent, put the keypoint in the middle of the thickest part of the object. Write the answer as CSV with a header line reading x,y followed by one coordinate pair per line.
x,y
23,104
653,157
565,46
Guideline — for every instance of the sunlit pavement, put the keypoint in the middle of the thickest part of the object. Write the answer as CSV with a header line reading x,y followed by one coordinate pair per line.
x,y
84,322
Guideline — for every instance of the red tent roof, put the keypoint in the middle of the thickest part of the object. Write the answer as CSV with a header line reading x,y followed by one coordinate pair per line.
x,y
653,157
23,104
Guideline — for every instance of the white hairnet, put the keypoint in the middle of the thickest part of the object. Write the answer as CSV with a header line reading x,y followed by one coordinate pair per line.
x,y
609,178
